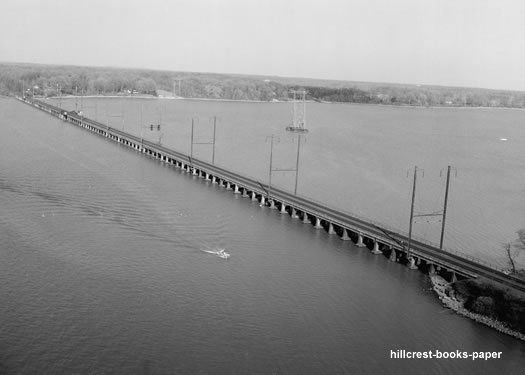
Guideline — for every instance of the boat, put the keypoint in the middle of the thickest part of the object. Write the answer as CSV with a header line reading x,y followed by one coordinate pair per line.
x,y
220,253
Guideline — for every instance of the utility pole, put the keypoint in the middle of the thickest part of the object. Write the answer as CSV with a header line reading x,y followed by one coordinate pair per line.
x,y
141,126
214,132
59,89
298,126
270,169
409,256
191,147
211,142
297,162
443,213
445,208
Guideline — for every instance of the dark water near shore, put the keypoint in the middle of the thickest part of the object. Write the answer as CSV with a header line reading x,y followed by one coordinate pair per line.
x,y
103,272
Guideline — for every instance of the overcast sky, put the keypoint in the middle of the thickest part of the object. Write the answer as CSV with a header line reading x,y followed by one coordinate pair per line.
x,y
475,43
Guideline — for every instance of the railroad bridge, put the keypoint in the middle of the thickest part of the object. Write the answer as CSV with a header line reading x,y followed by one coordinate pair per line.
x,y
348,227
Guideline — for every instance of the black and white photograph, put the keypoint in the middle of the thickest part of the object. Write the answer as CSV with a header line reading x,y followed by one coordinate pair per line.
x,y
281,187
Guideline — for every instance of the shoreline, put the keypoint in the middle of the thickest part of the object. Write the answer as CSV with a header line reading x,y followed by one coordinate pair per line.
x,y
278,101
442,288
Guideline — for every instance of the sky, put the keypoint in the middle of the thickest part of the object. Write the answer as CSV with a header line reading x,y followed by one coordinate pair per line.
x,y
472,43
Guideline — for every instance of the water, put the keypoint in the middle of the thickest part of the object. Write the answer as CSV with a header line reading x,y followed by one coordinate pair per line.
x,y
103,271
359,158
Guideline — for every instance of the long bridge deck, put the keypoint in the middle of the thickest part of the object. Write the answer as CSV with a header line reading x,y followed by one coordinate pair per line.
x,y
346,225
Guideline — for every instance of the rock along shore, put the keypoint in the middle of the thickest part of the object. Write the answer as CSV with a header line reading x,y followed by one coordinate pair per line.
x,y
447,296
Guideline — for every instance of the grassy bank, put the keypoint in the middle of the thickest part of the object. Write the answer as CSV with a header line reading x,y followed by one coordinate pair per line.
x,y
487,298
473,292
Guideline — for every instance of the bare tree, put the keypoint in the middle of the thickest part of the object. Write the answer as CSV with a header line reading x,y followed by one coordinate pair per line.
x,y
514,249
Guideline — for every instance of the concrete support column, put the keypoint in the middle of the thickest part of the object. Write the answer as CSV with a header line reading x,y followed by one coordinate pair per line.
x,y
345,236
283,208
331,228
453,277
431,269
294,214
360,240
306,220
376,250
412,263
236,190
393,255
194,171
213,180
207,177
244,193
262,200
254,198
228,186
317,223
272,204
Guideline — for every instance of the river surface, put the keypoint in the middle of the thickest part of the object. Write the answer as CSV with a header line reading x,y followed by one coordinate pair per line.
x,y
360,158
104,269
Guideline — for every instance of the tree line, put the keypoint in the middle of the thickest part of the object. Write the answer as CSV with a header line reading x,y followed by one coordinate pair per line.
x,y
52,80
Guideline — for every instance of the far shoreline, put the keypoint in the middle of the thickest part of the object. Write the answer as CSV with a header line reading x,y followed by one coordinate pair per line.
x,y
272,101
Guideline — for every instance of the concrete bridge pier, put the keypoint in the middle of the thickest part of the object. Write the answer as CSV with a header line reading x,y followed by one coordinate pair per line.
x,y
376,250
263,202
194,171
431,269
283,208
236,190
207,177
305,220
272,204
393,255
331,228
214,180
244,193
360,242
294,214
412,263
254,198
317,223
228,185
345,236
453,277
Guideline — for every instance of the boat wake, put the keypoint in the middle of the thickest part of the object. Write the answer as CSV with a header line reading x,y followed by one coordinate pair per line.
x,y
221,253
